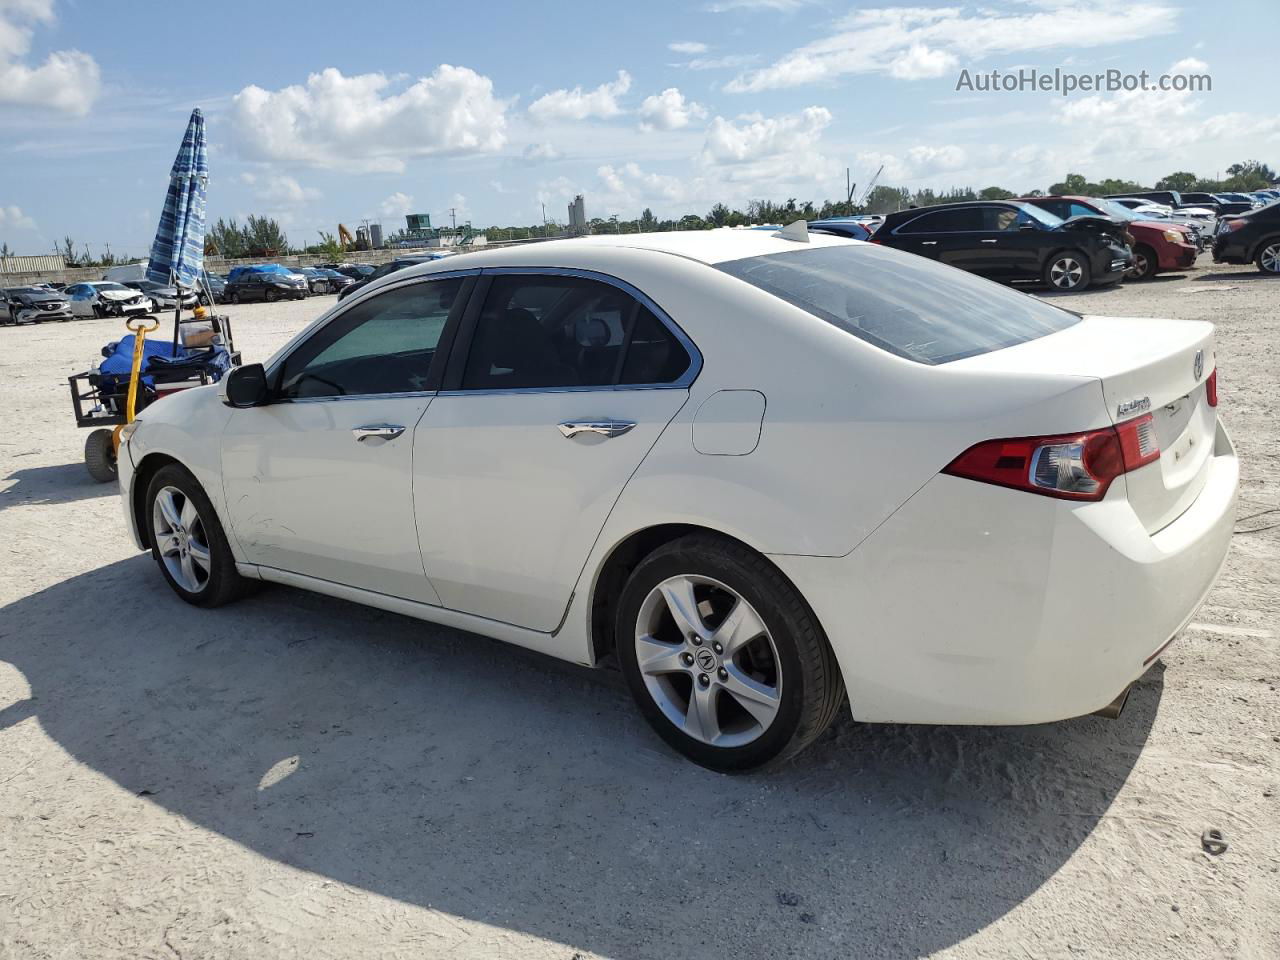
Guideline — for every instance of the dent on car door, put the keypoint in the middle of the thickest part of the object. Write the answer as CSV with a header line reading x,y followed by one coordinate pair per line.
x,y
557,390
318,482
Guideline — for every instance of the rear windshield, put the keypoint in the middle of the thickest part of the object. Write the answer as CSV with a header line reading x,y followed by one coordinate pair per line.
x,y
908,305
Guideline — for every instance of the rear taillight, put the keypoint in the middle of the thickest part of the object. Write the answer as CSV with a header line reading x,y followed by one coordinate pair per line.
x,y
1211,388
1074,467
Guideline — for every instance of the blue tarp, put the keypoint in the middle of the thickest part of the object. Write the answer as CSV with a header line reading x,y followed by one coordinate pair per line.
x,y
118,359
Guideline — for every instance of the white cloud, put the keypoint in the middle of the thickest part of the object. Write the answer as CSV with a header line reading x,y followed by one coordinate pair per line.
x,y
279,189
460,209
396,205
579,104
540,151
12,218
362,123
68,80
1189,65
920,62
753,136
731,61
917,42
688,46
669,110
627,187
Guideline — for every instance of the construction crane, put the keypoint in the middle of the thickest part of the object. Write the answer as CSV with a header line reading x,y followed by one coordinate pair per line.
x,y
345,238
870,186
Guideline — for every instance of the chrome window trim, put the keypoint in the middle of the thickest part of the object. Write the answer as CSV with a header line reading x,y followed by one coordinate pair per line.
x,y
683,382
980,206
400,395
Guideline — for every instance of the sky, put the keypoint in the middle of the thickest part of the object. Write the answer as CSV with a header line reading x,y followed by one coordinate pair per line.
x,y
320,113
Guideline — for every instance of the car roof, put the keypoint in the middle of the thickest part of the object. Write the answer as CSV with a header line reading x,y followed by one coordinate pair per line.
x,y
710,247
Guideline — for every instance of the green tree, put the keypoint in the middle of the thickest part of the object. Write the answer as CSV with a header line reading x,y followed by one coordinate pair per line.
x,y
648,222
887,200
225,239
719,215
995,193
264,238
1182,181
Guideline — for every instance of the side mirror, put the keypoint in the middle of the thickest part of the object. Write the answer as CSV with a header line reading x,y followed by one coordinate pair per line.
x,y
246,386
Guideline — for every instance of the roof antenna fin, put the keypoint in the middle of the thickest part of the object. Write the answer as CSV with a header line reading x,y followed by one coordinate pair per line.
x,y
798,231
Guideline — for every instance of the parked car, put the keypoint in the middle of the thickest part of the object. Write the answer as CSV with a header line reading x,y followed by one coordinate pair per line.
x,y
757,470
1250,238
1208,201
337,281
162,297
249,285
1011,240
32,304
217,287
105,298
850,227
1156,246
399,263
1170,198
356,271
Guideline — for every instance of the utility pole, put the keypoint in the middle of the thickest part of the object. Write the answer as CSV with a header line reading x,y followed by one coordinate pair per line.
x,y
453,217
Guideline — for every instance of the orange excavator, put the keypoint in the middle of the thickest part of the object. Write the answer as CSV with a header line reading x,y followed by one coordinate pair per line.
x,y
345,238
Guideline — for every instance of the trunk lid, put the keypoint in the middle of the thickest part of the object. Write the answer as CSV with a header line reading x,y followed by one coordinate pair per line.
x,y
1144,366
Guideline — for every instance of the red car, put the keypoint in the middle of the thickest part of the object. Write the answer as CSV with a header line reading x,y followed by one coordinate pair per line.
x,y
1156,245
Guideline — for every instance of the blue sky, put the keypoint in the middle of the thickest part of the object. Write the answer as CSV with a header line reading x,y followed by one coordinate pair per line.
x,y
325,112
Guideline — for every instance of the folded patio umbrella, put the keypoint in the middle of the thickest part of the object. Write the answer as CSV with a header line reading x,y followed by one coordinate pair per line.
x,y
177,253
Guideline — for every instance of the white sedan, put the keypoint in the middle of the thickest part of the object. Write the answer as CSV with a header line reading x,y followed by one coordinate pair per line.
x,y
762,471
103,298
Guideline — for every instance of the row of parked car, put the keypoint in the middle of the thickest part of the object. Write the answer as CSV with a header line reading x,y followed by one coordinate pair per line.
x,y
1072,242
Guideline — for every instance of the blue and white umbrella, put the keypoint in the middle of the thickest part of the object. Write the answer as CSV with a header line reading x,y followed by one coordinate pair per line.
x,y
177,253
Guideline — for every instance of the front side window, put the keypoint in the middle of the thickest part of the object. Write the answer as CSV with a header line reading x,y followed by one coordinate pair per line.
x,y
381,345
556,332
910,306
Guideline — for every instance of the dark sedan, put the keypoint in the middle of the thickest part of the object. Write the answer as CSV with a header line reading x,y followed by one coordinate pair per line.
x,y
1251,238
399,263
1008,240
264,286
33,304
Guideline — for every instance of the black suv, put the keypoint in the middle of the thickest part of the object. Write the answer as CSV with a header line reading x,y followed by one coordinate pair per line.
x,y
1250,237
1010,240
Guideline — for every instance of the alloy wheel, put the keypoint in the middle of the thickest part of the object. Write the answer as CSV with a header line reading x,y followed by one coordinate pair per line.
x,y
1270,258
1066,273
181,539
708,661
1139,268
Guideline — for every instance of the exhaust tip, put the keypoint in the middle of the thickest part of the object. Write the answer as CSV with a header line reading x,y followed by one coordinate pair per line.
x,y
1113,709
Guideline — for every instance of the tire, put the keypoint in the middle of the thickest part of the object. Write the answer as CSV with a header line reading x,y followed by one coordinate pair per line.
x,y
793,687
187,529
1145,264
271,296
100,456
1068,271
1267,258
234,297
98,311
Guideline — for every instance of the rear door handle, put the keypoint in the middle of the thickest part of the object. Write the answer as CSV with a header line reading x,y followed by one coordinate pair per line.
x,y
606,428
377,431
988,241
928,243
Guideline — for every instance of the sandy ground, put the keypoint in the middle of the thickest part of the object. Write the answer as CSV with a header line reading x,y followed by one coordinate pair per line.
x,y
295,776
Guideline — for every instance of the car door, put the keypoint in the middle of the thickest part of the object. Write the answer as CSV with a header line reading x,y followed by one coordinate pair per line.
x,y
79,296
319,481
1009,244
559,386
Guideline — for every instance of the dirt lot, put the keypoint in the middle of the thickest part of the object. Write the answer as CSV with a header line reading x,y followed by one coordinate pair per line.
x,y
297,776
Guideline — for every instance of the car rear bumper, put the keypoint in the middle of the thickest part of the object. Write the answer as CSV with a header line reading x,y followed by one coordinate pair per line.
x,y
979,605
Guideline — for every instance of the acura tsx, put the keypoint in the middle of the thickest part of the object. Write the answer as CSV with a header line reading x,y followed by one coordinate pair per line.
x,y
765,473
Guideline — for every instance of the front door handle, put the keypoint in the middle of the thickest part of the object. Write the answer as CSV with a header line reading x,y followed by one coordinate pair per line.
x,y
928,243
377,431
988,241
606,428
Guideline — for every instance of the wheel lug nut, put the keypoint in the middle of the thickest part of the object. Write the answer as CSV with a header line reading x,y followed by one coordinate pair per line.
x,y
695,639
715,645
703,680
686,659
722,673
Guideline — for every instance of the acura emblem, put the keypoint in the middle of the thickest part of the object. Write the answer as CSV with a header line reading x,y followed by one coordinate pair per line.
x,y
1197,367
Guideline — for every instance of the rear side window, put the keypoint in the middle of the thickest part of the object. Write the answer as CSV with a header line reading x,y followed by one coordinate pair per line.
x,y
946,221
909,306
554,331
